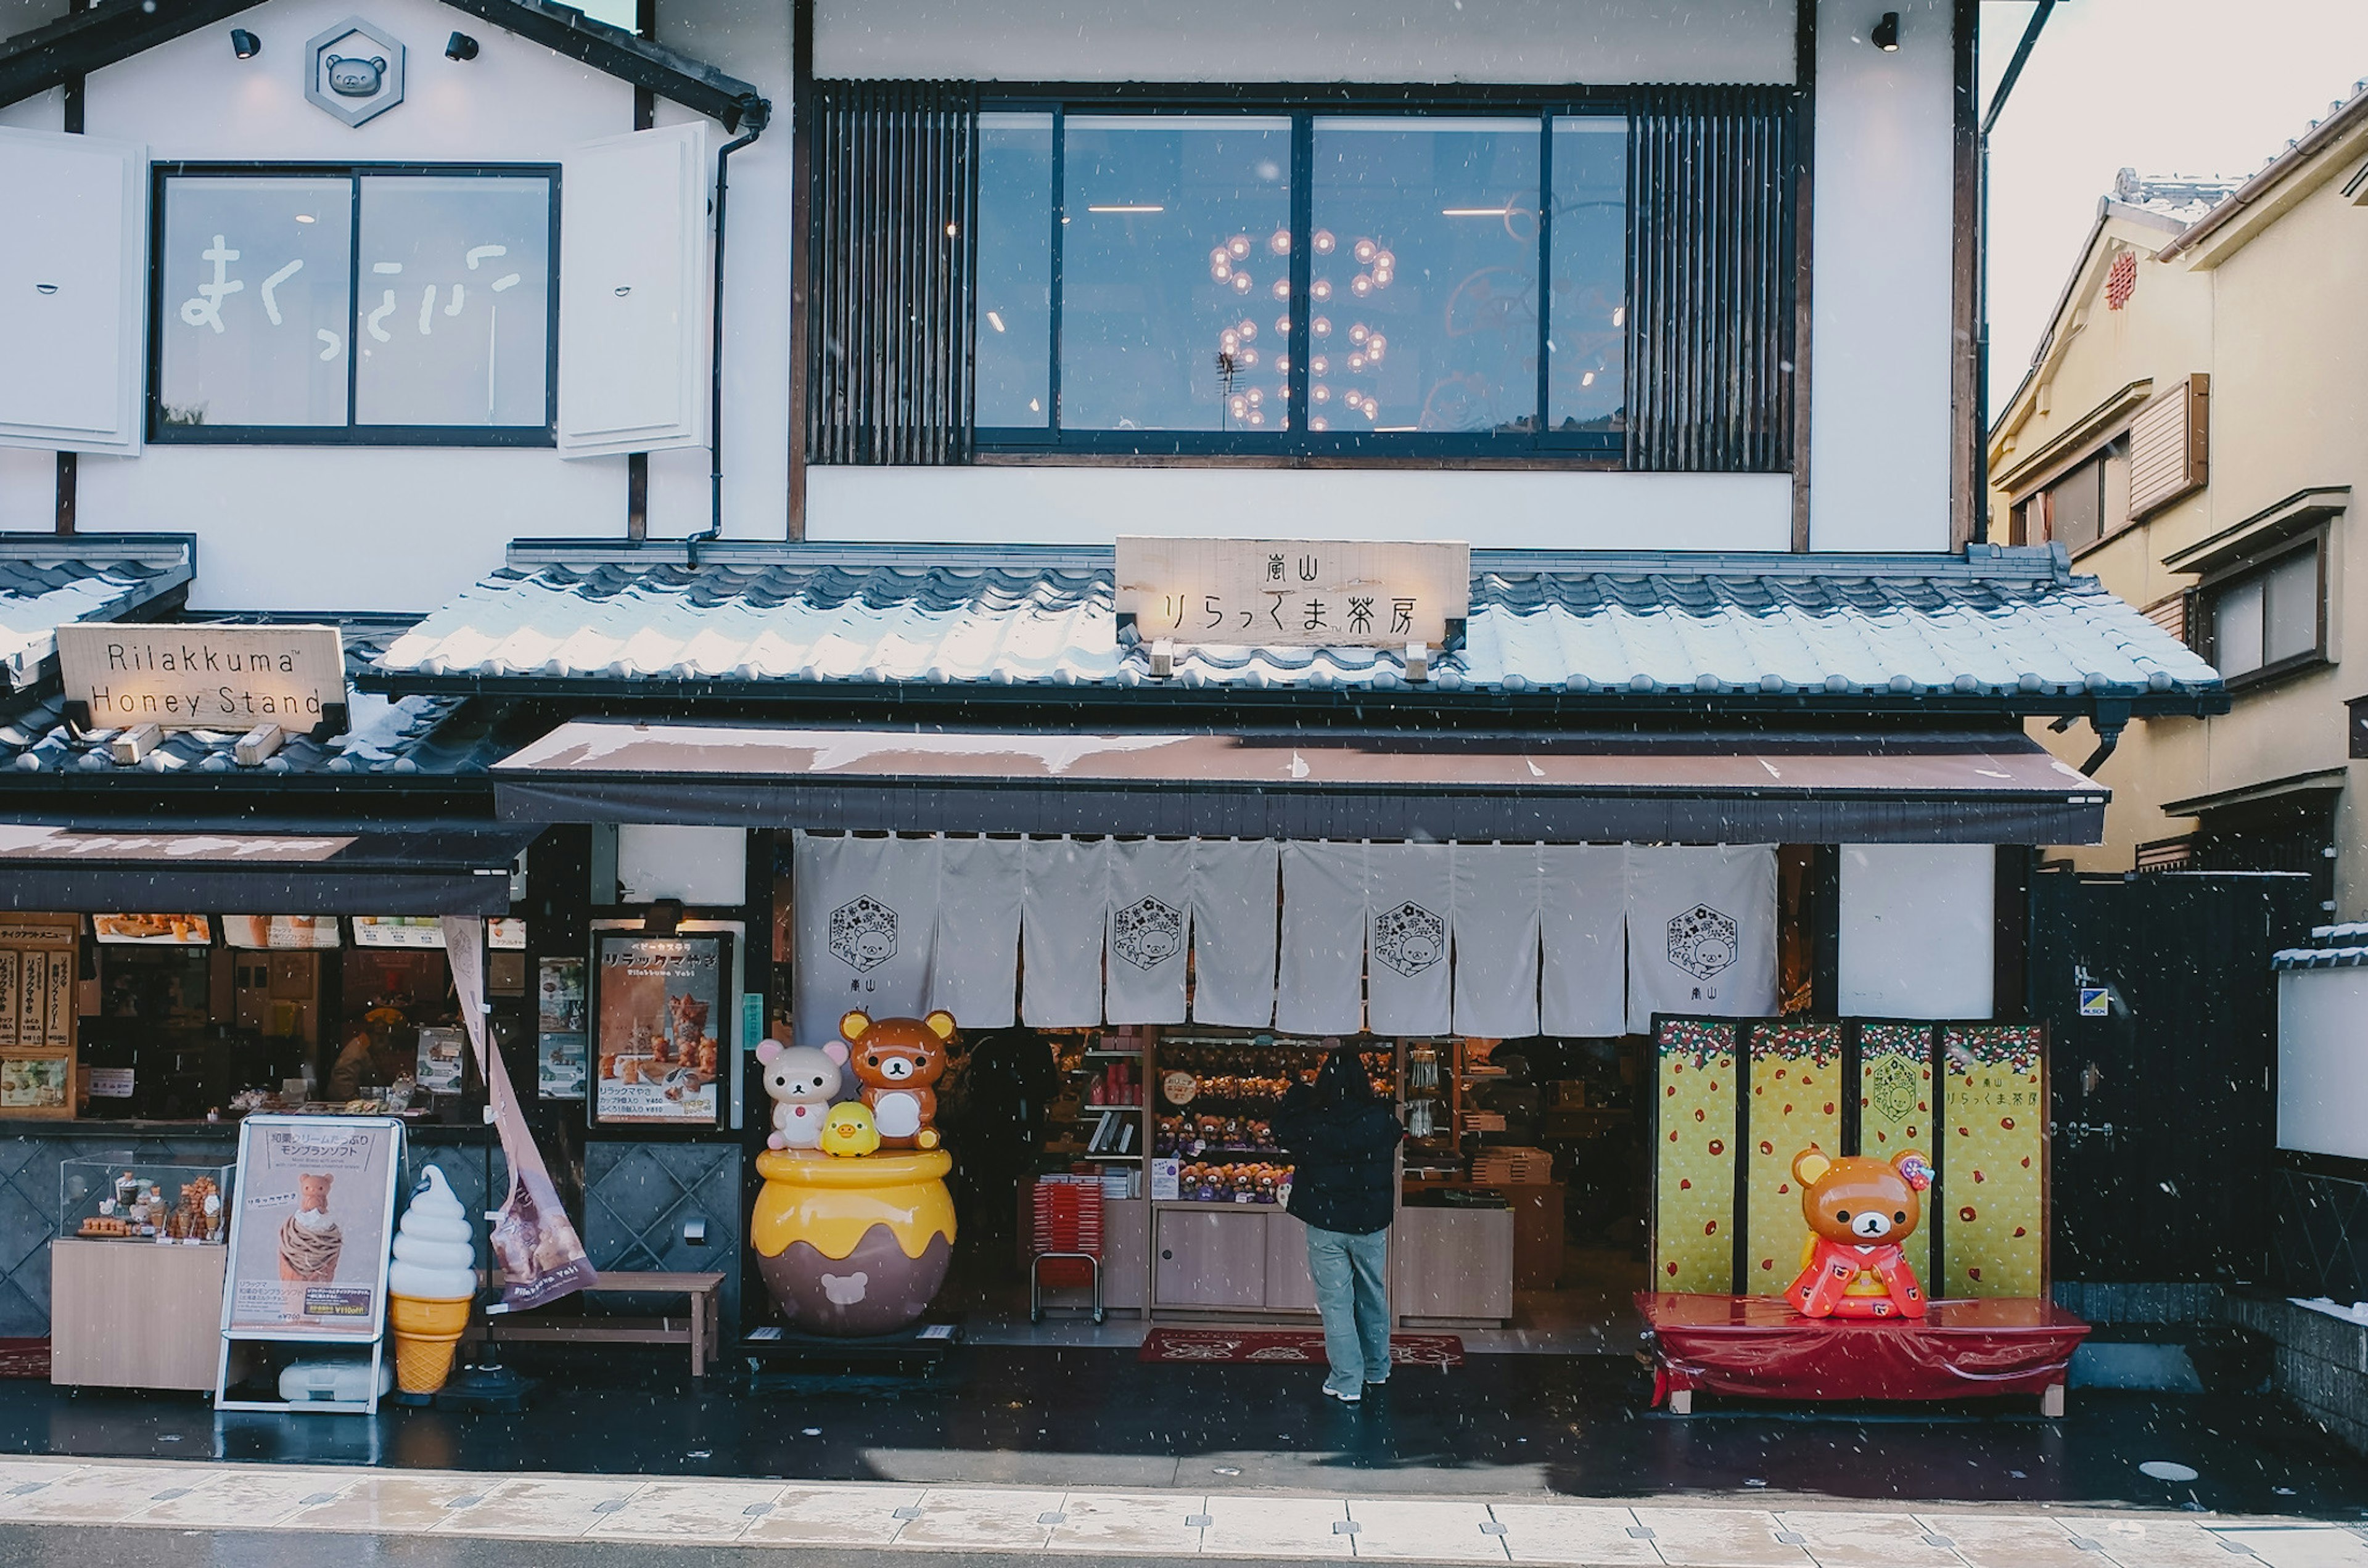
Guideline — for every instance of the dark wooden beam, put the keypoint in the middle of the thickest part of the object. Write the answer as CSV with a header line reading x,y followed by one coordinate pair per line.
x,y
1804,82
801,78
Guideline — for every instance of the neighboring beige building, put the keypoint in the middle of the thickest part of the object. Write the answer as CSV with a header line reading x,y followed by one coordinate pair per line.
x,y
2194,431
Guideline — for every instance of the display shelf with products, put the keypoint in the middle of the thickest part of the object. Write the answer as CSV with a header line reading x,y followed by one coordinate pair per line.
x,y
122,1198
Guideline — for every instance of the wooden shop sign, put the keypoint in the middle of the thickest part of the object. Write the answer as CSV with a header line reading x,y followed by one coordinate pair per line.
x,y
203,676
1294,593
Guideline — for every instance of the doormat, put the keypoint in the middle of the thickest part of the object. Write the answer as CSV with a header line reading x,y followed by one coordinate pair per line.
x,y
1289,1347
28,1359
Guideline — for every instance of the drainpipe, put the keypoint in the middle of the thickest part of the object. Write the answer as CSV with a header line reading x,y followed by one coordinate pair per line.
x,y
2108,722
754,112
2039,15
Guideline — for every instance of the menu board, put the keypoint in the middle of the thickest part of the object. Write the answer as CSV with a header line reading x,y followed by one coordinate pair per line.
x,y
660,1018
37,1014
559,1029
398,931
280,931
314,1199
504,934
153,930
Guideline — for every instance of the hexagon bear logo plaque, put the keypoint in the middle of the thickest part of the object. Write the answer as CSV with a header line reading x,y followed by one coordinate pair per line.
x,y
1704,942
354,71
1409,938
863,933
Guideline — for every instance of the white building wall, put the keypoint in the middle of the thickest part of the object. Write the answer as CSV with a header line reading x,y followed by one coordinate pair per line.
x,y
1308,40
1919,930
404,528
2322,1062
1882,322
1492,509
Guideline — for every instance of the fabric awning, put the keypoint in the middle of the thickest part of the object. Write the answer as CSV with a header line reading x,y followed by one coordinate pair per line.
x,y
427,870
1798,789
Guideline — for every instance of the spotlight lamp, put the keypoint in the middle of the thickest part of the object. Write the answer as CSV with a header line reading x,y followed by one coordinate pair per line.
x,y
245,44
460,46
1885,36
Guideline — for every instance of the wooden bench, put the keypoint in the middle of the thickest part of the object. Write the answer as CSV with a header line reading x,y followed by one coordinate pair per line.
x,y
700,1330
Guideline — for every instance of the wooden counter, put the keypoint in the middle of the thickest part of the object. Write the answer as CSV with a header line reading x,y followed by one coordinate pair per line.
x,y
1537,1225
136,1314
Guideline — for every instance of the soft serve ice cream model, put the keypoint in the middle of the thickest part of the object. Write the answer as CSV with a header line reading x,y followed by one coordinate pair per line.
x,y
430,1284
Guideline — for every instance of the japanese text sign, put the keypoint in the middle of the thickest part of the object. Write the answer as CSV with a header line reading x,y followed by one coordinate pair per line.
x,y
1294,593
202,677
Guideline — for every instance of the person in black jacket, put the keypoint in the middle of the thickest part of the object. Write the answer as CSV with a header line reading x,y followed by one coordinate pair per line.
x,y
1343,1142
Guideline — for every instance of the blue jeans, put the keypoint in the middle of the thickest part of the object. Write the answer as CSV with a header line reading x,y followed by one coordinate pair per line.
x,y
1350,1293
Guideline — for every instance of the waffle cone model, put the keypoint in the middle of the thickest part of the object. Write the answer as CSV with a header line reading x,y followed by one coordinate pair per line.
x,y
427,1333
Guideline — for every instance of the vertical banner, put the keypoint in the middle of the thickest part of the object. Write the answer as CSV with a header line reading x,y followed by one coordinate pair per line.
x,y
1063,897
1321,986
1236,908
540,1256
1701,932
1796,1104
1993,1164
1495,935
1409,898
974,960
1693,1168
867,929
1148,930
1583,940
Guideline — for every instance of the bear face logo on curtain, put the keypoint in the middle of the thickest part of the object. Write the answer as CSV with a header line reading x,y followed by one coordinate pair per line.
x,y
863,933
1147,933
1703,942
1409,938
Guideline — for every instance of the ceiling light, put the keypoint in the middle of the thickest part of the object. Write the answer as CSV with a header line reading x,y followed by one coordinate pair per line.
x,y
995,321
460,46
1128,207
1885,36
1473,212
245,44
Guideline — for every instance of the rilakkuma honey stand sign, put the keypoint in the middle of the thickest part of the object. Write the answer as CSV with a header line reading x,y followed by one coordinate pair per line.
x,y
313,1209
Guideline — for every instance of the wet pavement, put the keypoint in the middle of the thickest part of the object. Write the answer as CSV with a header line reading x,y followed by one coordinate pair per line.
x,y
1499,1427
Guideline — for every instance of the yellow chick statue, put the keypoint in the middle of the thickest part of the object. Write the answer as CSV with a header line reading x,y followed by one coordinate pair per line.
x,y
848,1131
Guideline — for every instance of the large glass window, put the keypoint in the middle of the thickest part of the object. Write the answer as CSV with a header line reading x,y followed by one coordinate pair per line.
x,y
1174,272
389,306
1423,284
1424,292
1586,337
1014,361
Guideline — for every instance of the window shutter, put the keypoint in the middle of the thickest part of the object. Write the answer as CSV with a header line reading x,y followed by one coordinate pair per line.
x,y
2169,446
72,261
889,375
1710,269
633,262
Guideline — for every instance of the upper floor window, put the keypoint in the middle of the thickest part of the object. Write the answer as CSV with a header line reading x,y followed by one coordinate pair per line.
x,y
2264,619
365,304
1311,283
2089,503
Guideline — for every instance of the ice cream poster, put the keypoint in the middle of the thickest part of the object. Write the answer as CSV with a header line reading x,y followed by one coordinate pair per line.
x,y
660,1026
309,1236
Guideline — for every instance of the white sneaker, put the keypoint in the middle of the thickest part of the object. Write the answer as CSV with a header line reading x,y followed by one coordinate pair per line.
x,y
1331,1393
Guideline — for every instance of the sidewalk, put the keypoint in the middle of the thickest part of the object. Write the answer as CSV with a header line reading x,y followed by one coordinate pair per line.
x,y
1157,1525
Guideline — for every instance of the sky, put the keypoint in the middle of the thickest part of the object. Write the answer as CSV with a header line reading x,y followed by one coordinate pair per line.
x,y
2163,86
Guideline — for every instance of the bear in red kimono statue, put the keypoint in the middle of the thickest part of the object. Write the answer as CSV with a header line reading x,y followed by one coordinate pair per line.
x,y
1859,1212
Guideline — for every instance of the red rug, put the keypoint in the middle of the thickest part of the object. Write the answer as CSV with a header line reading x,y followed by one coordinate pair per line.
x,y
25,1359
1290,1346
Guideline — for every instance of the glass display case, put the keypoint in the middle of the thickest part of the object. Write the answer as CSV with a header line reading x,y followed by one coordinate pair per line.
x,y
121,1198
